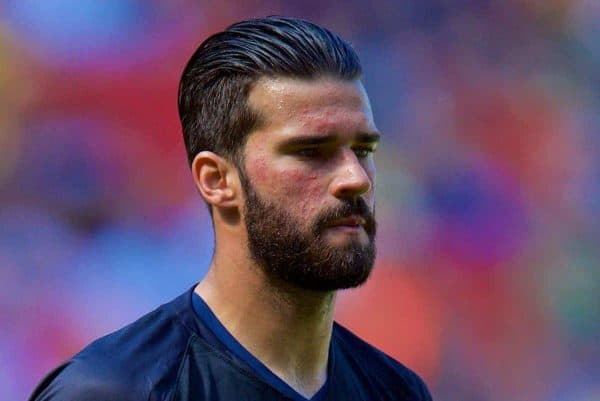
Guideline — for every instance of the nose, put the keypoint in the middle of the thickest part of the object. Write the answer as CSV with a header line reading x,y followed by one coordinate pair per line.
x,y
351,178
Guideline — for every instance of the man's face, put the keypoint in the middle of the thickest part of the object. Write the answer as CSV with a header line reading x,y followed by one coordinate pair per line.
x,y
309,178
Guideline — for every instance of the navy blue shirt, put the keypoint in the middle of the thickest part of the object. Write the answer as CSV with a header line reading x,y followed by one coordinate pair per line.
x,y
181,352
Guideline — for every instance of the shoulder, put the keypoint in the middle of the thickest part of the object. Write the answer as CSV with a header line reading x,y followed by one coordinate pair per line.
x,y
125,365
76,380
382,369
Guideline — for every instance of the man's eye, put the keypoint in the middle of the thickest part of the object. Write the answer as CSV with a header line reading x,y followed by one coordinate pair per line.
x,y
362,153
308,152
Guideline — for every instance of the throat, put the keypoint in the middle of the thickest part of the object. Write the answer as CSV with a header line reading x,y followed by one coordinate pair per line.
x,y
287,332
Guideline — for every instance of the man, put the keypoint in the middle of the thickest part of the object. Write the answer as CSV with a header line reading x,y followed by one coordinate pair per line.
x,y
280,138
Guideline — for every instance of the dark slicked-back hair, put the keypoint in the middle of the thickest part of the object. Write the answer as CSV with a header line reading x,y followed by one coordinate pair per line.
x,y
215,84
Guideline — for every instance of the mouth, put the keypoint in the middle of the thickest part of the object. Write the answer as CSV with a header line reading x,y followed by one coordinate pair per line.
x,y
350,223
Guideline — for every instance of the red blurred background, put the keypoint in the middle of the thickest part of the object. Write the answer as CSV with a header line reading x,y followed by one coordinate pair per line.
x,y
487,280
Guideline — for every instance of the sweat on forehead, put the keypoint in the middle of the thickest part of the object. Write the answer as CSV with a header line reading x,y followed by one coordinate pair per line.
x,y
281,97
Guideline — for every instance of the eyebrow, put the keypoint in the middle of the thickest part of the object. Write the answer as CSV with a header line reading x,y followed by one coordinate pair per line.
x,y
313,140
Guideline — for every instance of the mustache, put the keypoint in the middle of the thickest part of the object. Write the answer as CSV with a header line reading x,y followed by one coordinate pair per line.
x,y
357,207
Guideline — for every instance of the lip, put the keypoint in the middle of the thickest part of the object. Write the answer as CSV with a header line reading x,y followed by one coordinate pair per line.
x,y
349,222
351,230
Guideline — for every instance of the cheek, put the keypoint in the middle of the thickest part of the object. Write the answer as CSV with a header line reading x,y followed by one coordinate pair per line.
x,y
294,188
300,189
257,171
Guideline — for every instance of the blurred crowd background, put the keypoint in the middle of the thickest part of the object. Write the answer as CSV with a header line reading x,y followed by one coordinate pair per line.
x,y
487,281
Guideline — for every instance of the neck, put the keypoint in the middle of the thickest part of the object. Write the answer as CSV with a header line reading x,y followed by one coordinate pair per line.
x,y
288,329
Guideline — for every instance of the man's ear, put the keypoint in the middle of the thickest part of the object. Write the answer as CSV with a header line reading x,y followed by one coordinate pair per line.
x,y
214,178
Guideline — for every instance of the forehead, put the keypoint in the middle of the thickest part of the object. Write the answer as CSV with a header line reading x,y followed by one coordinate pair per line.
x,y
321,104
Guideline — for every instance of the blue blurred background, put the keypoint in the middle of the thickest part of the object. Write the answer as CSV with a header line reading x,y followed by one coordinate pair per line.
x,y
488,278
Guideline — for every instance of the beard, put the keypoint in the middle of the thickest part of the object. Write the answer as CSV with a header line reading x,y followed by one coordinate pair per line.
x,y
303,259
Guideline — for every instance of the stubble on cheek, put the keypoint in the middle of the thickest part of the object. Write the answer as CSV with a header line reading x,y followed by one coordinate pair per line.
x,y
297,191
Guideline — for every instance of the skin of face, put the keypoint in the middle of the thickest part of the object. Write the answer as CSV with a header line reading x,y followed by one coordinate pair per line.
x,y
313,150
